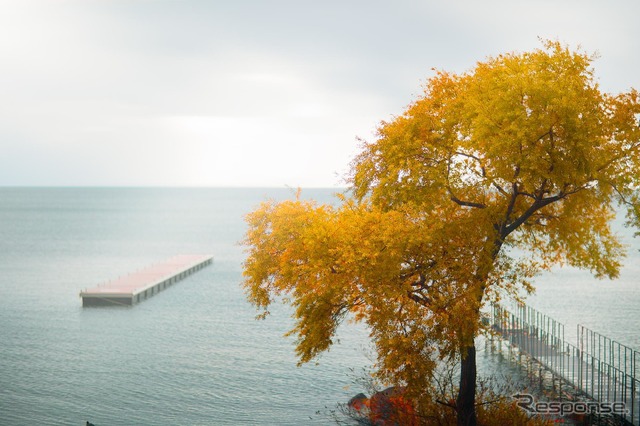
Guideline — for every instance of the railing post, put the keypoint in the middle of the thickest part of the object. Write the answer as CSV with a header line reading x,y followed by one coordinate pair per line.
x,y
633,401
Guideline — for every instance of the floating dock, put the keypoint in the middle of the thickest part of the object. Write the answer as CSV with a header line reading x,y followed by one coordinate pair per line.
x,y
141,285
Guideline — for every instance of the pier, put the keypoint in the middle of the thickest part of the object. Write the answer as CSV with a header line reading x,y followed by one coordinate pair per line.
x,y
595,367
140,285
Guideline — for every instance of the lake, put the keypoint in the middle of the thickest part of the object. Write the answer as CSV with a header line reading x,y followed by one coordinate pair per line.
x,y
193,354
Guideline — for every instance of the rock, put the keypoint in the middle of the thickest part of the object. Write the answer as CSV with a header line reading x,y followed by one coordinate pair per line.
x,y
389,408
359,402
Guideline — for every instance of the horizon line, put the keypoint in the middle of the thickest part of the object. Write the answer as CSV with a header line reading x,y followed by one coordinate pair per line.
x,y
284,186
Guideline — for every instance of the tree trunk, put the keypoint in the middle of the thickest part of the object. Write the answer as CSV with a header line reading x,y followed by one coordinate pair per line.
x,y
465,403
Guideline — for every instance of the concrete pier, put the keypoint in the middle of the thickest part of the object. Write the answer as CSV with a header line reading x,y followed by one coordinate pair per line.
x,y
140,285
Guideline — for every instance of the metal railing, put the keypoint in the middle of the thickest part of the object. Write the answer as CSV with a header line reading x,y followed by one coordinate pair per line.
x,y
601,368
614,353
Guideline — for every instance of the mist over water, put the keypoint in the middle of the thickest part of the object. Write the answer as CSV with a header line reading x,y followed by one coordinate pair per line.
x,y
193,354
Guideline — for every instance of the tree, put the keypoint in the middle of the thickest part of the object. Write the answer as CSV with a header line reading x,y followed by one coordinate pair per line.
x,y
524,152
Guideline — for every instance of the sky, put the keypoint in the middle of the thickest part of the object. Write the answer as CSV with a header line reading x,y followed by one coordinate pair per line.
x,y
248,92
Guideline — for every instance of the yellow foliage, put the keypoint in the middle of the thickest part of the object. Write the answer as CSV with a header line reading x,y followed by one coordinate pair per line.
x,y
522,152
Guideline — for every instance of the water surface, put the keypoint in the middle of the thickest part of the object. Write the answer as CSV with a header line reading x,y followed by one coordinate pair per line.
x,y
192,354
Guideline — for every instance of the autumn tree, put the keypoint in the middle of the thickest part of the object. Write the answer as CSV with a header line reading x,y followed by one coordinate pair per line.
x,y
524,153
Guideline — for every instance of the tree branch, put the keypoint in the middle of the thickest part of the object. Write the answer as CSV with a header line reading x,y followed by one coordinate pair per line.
x,y
452,196
465,203
478,159
623,154
419,298
535,206
500,189
447,404
624,199
512,202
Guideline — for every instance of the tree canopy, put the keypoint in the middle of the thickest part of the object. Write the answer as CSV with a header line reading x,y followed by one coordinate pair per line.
x,y
524,152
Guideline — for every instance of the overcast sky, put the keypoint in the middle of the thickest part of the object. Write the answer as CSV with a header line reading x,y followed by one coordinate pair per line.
x,y
250,93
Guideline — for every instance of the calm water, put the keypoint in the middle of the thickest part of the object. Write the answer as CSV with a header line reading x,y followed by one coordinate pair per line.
x,y
610,307
193,354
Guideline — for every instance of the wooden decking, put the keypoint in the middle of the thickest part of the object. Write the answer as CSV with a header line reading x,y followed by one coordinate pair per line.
x,y
140,285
